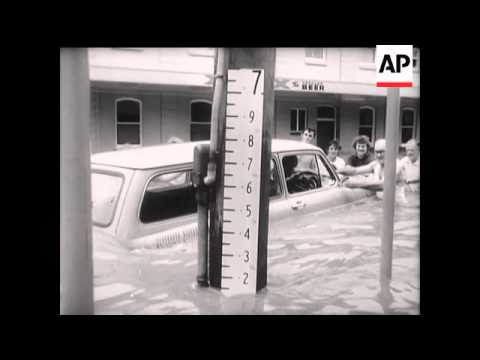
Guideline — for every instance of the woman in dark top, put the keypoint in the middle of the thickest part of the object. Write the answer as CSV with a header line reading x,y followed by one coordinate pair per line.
x,y
362,155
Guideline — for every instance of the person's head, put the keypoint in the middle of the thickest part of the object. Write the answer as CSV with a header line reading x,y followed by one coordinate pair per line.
x,y
174,140
361,144
412,149
380,151
333,149
308,136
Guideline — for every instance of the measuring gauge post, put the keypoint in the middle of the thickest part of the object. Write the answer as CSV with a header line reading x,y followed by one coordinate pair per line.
x,y
243,151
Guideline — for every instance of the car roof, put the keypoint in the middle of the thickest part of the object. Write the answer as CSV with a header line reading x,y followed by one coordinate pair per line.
x,y
150,157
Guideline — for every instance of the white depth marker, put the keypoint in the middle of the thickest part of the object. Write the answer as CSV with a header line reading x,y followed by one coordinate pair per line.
x,y
243,154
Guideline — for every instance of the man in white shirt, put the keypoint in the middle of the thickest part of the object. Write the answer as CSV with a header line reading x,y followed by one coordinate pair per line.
x,y
409,167
307,162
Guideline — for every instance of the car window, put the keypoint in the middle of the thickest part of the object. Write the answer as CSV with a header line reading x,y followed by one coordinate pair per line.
x,y
275,189
168,196
326,176
105,192
168,180
301,173
307,162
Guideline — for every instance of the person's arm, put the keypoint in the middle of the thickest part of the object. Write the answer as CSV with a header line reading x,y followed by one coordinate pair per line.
x,y
350,170
347,170
400,171
399,166
370,167
364,183
374,182
377,172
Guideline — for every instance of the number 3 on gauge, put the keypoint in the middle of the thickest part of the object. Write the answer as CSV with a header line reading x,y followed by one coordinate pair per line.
x,y
247,258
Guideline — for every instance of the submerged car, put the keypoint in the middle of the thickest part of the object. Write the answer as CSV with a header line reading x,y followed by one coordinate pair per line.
x,y
144,197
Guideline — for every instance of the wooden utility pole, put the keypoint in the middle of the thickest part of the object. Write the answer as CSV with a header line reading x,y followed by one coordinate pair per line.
x,y
215,167
391,138
245,58
76,269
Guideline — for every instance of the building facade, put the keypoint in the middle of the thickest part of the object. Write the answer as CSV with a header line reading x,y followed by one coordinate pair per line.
x,y
145,96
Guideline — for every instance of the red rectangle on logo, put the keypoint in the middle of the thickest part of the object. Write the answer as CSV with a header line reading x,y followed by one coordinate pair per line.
x,y
394,84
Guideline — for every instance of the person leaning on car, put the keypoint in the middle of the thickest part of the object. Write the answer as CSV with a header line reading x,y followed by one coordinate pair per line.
x,y
374,168
362,156
407,169
332,155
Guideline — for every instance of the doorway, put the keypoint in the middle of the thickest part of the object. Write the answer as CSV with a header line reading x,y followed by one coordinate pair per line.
x,y
326,126
325,132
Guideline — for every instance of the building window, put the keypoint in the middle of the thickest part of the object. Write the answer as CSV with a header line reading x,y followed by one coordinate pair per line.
x,y
326,112
200,116
416,59
315,56
367,58
366,124
298,121
128,49
372,52
407,125
207,52
128,120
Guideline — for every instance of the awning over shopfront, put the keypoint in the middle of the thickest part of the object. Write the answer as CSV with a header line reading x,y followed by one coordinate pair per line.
x,y
108,77
125,75
309,86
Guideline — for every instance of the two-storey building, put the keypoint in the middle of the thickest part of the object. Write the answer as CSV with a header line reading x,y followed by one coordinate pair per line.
x,y
144,96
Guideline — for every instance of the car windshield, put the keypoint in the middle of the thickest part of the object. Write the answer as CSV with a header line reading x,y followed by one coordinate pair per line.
x,y
105,192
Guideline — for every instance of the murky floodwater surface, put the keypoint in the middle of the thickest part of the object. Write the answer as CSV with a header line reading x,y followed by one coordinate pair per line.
x,y
324,263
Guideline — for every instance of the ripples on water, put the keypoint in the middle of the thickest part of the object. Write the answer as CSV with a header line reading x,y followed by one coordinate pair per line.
x,y
323,263
341,274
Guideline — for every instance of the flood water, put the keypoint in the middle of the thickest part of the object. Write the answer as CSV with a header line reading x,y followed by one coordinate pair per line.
x,y
324,263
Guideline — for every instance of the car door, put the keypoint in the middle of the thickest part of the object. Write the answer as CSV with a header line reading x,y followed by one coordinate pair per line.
x,y
278,206
320,193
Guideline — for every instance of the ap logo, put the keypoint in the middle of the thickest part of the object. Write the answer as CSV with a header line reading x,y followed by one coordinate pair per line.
x,y
394,64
